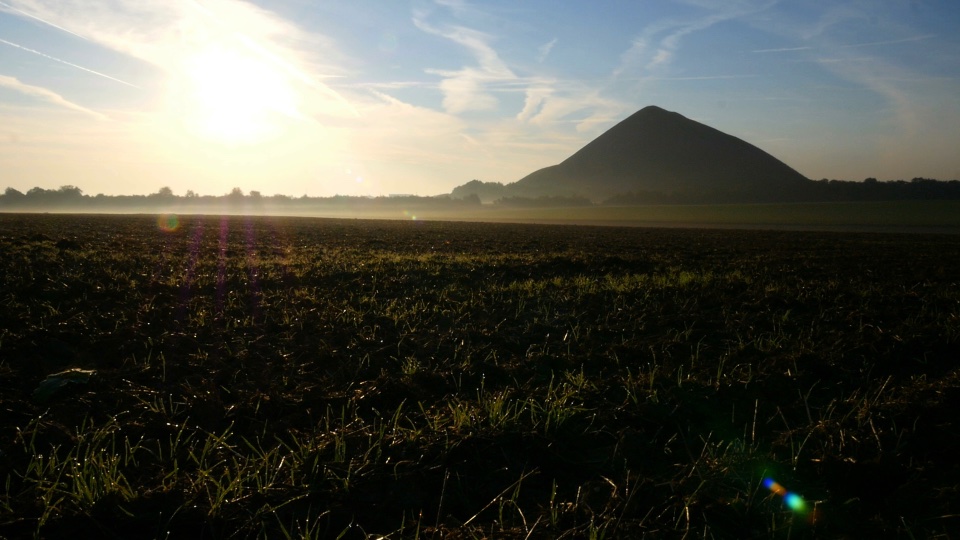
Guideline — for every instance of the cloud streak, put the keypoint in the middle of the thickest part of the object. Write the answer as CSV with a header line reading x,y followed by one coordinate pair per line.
x,y
703,78
71,64
547,101
465,89
44,21
851,45
46,95
784,49
890,42
658,43
543,51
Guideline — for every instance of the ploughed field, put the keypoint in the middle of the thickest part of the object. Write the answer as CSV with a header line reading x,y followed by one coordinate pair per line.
x,y
280,377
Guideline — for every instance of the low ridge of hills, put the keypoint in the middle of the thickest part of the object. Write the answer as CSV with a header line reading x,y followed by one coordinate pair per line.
x,y
655,151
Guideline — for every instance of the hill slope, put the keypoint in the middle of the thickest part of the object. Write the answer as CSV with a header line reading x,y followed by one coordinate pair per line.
x,y
655,150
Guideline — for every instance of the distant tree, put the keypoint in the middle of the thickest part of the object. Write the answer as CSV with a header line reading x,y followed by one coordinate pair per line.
x,y
66,195
164,193
11,197
256,195
191,194
236,193
487,191
472,199
70,191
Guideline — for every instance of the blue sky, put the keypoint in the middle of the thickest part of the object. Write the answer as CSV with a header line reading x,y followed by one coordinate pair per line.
x,y
364,97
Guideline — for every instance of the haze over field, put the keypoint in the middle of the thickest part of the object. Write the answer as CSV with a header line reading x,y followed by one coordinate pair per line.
x,y
418,97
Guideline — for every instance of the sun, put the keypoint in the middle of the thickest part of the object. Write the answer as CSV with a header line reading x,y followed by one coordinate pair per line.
x,y
233,96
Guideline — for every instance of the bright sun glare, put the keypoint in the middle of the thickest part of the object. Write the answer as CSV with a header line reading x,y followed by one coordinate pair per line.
x,y
233,96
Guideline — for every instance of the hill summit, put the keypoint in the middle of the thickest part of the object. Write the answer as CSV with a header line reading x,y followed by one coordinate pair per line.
x,y
656,151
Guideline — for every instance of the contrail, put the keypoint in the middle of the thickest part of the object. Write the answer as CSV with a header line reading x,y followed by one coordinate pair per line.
x,y
24,13
853,45
702,78
69,63
48,95
891,42
786,49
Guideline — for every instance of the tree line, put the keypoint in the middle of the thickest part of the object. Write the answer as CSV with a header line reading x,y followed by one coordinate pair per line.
x,y
72,198
869,190
823,190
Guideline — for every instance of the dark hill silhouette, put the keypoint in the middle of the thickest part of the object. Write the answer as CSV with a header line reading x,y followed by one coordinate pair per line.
x,y
658,151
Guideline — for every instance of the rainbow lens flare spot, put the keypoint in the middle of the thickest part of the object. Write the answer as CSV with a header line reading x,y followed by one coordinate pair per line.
x,y
795,502
168,222
792,500
773,486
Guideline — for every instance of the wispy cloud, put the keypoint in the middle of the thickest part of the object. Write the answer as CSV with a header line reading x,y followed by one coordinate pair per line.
x,y
884,75
71,64
544,50
548,103
637,53
533,101
668,46
584,106
465,89
910,87
657,44
459,8
46,95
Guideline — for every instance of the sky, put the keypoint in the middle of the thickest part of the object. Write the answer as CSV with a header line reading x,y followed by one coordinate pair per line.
x,y
366,97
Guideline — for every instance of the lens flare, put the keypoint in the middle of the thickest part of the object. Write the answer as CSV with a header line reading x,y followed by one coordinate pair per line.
x,y
792,500
795,502
168,222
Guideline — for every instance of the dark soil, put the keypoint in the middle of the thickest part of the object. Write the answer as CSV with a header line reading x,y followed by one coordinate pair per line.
x,y
268,377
